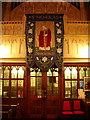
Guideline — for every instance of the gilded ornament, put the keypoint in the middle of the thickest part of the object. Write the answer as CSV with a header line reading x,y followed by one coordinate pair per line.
x,y
30,50
44,59
59,50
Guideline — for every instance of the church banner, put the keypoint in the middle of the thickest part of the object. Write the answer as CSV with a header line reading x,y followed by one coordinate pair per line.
x,y
44,40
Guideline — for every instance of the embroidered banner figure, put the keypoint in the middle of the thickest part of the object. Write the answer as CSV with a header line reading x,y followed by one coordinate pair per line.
x,y
44,40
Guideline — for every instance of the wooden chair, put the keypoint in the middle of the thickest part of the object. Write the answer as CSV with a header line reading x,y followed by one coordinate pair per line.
x,y
67,112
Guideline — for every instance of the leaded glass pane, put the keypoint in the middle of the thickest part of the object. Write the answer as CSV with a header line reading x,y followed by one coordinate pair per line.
x,y
35,72
5,88
6,82
0,87
6,72
74,89
13,83
32,85
14,72
39,73
55,73
5,94
49,87
39,86
67,73
32,81
74,73
49,73
21,72
13,88
52,85
82,73
67,89
1,72
81,84
32,73
88,71
55,92
20,88
20,83
36,86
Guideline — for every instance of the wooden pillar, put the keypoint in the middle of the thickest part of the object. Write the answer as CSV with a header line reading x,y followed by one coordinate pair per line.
x,y
44,87
27,89
61,89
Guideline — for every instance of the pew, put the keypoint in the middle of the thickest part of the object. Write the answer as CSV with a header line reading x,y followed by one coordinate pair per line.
x,y
10,112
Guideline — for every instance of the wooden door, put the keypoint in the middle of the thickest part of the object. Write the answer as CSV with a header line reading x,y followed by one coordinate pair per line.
x,y
43,99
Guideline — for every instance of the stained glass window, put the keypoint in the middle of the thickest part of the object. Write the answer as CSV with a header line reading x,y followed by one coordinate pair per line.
x,y
74,79
36,81
52,81
67,89
12,81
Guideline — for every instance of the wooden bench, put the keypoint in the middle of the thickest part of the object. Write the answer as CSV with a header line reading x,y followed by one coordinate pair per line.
x,y
10,111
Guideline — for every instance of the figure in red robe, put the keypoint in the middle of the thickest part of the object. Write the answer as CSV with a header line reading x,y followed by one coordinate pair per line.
x,y
44,38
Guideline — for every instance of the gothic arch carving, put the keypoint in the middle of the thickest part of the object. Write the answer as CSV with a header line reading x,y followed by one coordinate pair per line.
x,y
68,9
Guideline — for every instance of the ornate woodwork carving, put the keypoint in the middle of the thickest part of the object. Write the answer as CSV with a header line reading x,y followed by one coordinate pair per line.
x,y
51,8
72,13
15,45
72,45
71,28
12,28
75,38
65,8
77,28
